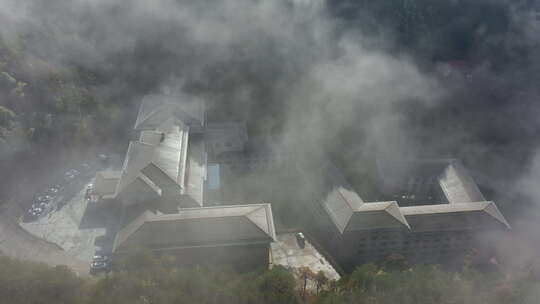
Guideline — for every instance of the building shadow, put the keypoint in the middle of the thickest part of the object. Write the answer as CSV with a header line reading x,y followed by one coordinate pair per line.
x,y
96,216
105,243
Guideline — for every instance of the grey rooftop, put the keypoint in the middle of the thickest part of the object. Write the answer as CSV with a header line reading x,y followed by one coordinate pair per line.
x,y
156,163
157,110
466,210
198,227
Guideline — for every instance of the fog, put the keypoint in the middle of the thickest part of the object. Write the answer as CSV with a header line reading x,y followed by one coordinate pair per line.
x,y
301,70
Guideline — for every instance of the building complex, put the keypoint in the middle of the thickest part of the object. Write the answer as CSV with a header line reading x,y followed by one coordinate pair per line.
x,y
160,190
432,211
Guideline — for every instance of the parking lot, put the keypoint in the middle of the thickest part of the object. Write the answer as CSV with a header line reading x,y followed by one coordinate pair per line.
x,y
78,228
68,219
62,187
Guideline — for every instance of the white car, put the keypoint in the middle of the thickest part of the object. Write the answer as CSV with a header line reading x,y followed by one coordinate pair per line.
x,y
301,240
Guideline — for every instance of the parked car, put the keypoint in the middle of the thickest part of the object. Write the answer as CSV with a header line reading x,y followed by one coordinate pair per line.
x,y
99,266
34,212
100,263
54,190
42,201
41,205
47,198
301,240
88,192
71,174
101,257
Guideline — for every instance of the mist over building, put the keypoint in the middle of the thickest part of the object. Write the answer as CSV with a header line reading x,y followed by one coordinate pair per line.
x,y
435,216
362,139
161,190
171,190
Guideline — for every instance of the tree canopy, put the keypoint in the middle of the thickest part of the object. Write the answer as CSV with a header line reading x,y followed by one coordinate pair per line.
x,y
141,277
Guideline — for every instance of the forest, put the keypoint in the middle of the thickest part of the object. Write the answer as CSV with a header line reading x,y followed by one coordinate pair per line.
x,y
140,277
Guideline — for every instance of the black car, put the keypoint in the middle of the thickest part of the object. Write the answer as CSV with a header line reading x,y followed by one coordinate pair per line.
x,y
99,266
40,206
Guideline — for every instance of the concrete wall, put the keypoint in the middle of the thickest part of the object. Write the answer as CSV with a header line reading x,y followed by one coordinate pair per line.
x,y
356,248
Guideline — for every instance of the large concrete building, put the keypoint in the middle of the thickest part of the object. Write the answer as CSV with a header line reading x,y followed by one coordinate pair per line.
x,y
429,232
160,190
169,183
238,235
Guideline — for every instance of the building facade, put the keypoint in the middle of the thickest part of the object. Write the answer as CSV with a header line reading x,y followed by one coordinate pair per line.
x,y
357,232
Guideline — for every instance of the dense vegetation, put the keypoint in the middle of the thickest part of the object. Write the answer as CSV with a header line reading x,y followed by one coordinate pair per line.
x,y
142,278
52,105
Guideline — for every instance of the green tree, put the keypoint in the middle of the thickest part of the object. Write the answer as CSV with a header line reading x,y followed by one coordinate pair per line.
x,y
277,285
305,275
394,262
362,277
320,280
29,283
6,117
